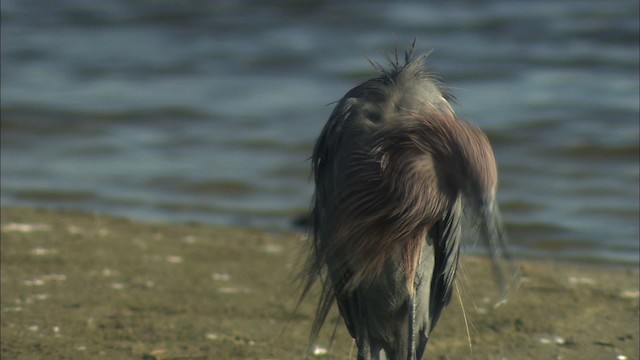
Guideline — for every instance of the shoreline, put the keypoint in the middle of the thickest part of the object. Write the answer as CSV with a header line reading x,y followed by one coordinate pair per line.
x,y
79,285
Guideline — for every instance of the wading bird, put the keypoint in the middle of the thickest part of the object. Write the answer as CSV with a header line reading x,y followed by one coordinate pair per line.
x,y
394,170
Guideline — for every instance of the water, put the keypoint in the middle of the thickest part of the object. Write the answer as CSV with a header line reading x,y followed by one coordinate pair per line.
x,y
207,111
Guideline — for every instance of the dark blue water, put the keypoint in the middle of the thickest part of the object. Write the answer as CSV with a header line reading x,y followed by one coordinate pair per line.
x,y
207,111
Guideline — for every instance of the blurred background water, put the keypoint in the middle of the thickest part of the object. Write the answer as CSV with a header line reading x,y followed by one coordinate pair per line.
x,y
207,111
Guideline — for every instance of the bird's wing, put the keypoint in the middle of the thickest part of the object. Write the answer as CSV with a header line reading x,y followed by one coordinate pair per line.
x,y
323,162
338,160
446,240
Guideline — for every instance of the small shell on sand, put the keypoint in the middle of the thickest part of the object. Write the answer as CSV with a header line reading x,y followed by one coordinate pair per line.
x,y
553,340
117,286
39,251
319,350
220,276
581,280
174,259
630,294
25,228
234,290
272,248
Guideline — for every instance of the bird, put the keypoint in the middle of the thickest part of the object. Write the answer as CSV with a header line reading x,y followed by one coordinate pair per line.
x,y
395,172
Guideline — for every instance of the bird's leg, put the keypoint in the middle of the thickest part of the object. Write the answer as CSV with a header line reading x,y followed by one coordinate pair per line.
x,y
412,327
362,340
364,349
422,344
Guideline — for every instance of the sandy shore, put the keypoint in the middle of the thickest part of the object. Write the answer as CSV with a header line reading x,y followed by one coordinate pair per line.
x,y
81,286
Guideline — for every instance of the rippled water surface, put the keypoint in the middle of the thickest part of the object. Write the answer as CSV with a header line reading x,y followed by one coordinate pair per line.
x,y
207,111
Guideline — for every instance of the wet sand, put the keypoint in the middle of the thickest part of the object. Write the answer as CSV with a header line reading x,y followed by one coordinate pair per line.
x,y
82,286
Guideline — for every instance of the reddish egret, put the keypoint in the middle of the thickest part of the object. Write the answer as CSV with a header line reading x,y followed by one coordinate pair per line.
x,y
394,170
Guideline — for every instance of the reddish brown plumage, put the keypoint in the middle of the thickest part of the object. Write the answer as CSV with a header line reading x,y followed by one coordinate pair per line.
x,y
393,191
